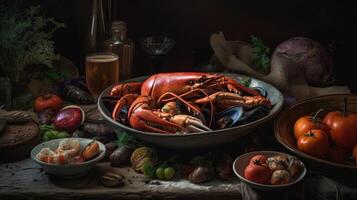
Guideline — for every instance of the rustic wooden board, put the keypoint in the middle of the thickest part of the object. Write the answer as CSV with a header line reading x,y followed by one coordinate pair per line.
x,y
26,180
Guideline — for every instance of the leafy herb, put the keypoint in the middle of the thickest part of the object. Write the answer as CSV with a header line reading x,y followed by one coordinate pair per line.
x,y
45,127
48,132
25,38
261,54
126,139
148,170
245,81
52,75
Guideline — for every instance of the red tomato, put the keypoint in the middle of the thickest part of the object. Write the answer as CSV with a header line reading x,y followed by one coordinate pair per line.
x,y
48,101
336,154
257,171
343,129
261,158
306,123
315,143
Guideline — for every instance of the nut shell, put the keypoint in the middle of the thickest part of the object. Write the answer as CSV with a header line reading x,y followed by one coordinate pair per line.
x,y
140,153
138,165
111,179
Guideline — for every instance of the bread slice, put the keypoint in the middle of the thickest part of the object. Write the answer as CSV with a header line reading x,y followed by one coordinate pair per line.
x,y
17,141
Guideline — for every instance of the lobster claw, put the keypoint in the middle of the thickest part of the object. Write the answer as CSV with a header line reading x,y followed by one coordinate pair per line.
x,y
122,105
189,123
146,120
122,89
227,99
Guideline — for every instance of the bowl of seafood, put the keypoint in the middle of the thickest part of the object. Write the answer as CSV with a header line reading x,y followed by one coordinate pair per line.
x,y
70,157
269,170
322,132
187,110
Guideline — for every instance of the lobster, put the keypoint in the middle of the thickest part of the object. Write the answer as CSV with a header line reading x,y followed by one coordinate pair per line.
x,y
194,90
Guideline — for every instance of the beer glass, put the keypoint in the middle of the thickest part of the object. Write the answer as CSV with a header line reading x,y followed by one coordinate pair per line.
x,y
102,70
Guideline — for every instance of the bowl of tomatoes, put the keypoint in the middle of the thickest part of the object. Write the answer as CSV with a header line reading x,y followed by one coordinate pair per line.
x,y
322,132
269,170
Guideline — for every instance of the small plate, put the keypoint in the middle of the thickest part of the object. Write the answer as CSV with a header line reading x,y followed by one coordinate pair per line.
x,y
74,170
242,161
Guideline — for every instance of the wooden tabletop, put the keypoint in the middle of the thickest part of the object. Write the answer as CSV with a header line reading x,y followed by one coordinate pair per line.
x,y
26,180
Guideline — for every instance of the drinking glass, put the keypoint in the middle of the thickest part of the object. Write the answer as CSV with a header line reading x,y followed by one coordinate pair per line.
x,y
102,70
157,47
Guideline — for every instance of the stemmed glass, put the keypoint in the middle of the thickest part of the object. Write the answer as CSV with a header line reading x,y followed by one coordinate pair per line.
x,y
157,47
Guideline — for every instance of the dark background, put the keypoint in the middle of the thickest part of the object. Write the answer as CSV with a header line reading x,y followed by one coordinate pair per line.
x,y
191,22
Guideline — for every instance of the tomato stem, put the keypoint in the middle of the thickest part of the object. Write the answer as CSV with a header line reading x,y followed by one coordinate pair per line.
x,y
309,134
257,162
344,106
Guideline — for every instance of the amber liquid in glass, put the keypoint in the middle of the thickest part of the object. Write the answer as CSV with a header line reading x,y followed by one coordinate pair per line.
x,y
102,70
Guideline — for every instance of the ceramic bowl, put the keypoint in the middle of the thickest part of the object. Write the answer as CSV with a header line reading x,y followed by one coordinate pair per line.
x,y
67,170
284,123
201,139
242,161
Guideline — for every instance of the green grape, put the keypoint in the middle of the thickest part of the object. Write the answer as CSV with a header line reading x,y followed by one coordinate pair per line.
x,y
169,173
160,173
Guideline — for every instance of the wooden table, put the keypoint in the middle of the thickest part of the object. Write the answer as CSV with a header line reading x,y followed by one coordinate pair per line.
x,y
26,180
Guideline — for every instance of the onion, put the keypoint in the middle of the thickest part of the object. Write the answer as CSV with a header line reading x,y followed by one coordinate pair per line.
x,y
69,119
311,57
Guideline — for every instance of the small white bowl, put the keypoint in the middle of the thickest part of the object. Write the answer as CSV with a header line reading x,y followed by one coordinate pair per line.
x,y
74,170
242,161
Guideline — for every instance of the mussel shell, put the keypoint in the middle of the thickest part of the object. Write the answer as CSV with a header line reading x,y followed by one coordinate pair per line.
x,y
254,114
77,95
98,130
123,115
229,117
110,148
121,155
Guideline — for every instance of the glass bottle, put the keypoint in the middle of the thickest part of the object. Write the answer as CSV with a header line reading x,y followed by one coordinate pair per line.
x,y
123,46
97,30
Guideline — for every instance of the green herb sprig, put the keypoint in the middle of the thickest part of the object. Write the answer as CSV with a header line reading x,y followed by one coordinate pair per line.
x,y
261,54
25,38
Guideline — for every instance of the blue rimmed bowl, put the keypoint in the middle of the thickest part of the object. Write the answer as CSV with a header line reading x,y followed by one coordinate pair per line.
x,y
67,170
